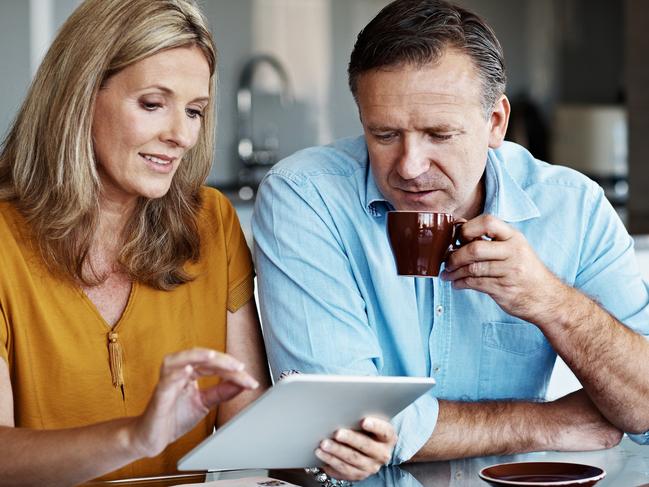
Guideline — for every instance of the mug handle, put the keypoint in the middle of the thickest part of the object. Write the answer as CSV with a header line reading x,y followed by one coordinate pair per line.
x,y
457,241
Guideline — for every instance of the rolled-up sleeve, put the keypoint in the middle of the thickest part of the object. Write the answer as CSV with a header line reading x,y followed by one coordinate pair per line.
x,y
414,425
314,316
610,274
608,269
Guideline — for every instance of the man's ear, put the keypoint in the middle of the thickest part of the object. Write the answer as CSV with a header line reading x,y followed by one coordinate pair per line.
x,y
498,122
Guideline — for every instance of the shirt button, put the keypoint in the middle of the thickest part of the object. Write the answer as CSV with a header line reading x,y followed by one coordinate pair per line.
x,y
439,310
436,369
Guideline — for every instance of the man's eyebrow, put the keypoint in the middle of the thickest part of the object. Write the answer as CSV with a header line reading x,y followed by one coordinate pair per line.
x,y
169,91
440,127
380,128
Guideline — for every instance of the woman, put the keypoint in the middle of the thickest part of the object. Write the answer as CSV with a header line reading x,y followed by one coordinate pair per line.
x,y
126,291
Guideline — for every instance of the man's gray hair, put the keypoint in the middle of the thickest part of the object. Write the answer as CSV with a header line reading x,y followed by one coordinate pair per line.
x,y
419,32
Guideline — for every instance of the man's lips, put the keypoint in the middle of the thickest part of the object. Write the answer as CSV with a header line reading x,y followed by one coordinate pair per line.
x,y
420,196
416,191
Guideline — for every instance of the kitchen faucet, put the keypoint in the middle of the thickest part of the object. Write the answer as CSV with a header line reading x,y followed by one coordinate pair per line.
x,y
255,158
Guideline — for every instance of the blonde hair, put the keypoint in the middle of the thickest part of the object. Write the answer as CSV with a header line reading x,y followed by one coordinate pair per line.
x,y
47,164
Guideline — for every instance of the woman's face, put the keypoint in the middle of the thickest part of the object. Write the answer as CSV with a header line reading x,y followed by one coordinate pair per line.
x,y
146,118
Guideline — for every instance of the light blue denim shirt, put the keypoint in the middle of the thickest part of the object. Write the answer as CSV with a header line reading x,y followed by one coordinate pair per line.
x,y
332,302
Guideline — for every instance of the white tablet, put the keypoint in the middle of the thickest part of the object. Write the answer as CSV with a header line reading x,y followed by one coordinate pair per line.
x,y
284,426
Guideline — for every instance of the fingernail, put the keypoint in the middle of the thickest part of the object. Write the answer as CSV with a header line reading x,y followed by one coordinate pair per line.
x,y
252,383
325,445
368,423
319,453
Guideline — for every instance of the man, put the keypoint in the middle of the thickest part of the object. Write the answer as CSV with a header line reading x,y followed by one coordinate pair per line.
x,y
549,268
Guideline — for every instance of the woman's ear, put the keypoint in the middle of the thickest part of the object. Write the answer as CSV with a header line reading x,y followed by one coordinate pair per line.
x,y
498,122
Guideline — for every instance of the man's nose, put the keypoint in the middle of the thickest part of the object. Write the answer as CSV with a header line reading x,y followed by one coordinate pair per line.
x,y
413,161
179,131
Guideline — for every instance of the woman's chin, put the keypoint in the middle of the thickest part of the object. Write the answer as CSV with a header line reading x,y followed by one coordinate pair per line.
x,y
155,190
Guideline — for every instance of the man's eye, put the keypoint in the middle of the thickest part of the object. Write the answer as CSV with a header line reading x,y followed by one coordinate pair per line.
x,y
441,137
385,137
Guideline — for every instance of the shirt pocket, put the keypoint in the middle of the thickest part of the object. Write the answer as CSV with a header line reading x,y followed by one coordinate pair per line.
x,y
516,361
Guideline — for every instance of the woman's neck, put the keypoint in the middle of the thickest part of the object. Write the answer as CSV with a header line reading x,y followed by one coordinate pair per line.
x,y
108,239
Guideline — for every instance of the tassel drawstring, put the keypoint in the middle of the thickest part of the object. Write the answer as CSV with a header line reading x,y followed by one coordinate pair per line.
x,y
116,359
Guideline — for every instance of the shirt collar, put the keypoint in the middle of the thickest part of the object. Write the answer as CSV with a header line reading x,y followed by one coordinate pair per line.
x,y
375,203
505,198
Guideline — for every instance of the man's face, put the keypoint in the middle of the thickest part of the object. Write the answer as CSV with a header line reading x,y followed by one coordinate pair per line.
x,y
427,134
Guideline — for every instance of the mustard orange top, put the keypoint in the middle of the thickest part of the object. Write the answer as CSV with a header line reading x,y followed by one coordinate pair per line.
x,y
56,342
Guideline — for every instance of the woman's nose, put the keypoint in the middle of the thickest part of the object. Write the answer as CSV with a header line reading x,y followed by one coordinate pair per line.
x,y
180,131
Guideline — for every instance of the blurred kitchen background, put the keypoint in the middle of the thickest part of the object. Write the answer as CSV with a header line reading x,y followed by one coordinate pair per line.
x,y
577,71
578,81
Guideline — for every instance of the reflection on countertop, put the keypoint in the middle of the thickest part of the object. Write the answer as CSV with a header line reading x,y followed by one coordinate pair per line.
x,y
626,464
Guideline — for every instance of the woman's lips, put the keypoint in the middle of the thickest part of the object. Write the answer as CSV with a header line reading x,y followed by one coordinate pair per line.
x,y
158,163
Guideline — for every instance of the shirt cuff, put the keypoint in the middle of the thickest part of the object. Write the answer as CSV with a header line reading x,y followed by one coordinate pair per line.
x,y
391,476
414,425
640,438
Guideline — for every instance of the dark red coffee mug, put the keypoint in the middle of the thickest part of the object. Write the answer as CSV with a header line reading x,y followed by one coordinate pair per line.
x,y
421,240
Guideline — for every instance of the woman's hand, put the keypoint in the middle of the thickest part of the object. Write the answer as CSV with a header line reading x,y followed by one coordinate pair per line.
x,y
177,404
355,455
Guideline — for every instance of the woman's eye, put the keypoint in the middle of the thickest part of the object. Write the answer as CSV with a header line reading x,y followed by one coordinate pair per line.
x,y
150,106
192,113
